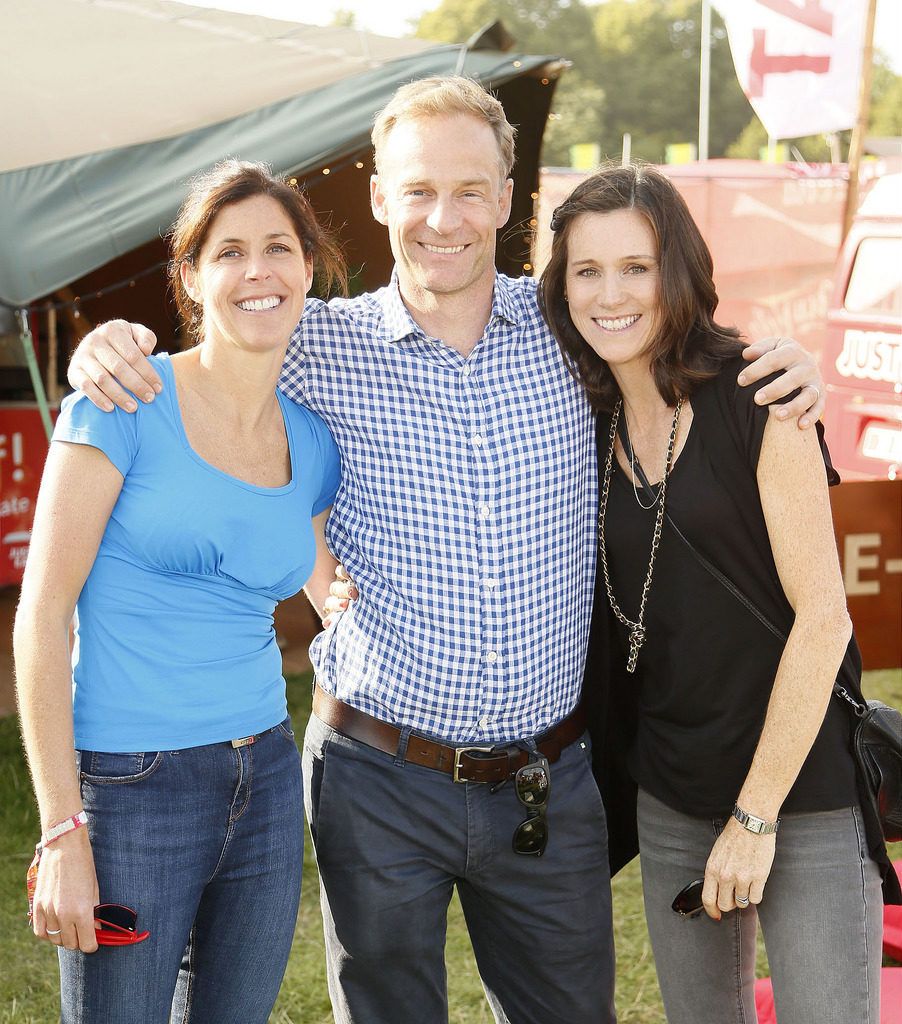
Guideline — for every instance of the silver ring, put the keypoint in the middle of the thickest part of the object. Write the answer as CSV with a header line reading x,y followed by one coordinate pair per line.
x,y
52,931
742,901
815,389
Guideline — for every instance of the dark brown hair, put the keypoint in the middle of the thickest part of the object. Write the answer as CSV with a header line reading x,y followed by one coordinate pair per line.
x,y
687,346
230,182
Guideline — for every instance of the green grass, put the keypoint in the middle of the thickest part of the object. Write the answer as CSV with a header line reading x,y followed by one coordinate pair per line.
x,y
28,981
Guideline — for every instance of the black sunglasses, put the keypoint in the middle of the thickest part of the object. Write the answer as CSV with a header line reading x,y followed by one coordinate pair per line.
x,y
533,784
688,901
116,925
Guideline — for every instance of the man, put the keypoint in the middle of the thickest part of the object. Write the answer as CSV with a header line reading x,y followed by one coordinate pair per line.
x,y
447,697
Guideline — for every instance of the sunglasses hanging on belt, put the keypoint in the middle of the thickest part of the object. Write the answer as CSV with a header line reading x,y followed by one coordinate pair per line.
x,y
532,784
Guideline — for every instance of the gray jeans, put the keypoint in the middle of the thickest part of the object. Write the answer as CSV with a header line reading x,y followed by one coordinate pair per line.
x,y
392,841
821,918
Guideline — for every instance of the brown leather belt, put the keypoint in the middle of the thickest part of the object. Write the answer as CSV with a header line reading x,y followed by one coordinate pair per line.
x,y
464,764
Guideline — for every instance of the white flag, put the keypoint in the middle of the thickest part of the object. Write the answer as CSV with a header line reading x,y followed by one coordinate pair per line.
x,y
798,61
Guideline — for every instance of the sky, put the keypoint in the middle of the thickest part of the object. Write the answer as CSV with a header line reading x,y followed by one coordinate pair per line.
x,y
392,17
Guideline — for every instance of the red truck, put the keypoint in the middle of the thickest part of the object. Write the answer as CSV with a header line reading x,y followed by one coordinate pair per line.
x,y
862,357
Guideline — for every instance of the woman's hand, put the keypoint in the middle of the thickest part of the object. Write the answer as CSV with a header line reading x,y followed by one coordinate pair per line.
x,y
342,591
66,893
739,865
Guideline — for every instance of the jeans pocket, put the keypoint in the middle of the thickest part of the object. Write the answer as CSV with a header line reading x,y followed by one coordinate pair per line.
x,y
100,768
285,730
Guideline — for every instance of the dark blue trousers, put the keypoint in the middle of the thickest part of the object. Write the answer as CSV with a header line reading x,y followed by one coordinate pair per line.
x,y
393,840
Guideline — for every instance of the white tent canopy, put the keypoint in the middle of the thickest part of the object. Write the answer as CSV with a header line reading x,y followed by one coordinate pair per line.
x,y
83,76
111,105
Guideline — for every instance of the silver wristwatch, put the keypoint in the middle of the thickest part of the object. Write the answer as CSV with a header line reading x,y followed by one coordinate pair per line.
x,y
752,824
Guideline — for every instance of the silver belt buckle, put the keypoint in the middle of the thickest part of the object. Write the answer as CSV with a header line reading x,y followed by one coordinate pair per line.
x,y
245,741
458,752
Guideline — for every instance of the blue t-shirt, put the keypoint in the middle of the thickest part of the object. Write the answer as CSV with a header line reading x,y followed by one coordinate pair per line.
x,y
175,645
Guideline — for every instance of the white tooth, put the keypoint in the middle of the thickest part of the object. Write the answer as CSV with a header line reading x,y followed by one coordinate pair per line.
x,y
618,324
255,305
450,249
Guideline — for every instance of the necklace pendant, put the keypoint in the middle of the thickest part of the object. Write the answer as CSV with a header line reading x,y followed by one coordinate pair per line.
x,y
637,638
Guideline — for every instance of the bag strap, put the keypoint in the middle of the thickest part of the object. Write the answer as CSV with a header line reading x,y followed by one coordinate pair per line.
x,y
838,690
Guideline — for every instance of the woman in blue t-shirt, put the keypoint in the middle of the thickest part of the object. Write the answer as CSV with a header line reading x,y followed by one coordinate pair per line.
x,y
171,534
729,730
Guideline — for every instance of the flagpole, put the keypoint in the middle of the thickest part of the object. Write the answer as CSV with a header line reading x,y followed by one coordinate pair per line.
x,y
704,81
856,147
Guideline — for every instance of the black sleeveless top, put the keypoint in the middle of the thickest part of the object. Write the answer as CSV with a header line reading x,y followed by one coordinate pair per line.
x,y
706,669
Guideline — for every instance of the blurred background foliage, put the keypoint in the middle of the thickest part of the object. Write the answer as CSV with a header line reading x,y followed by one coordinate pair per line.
x,y
635,69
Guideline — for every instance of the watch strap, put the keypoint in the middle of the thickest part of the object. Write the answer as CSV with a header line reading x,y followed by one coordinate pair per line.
x,y
753,824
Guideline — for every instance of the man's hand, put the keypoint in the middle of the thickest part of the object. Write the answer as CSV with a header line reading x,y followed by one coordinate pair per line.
x,y
110,359
342,591
800,371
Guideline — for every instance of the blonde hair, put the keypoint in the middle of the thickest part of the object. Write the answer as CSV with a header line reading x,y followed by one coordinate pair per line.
x,y
443,96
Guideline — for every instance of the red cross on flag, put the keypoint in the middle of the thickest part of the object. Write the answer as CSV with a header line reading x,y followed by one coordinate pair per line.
x,y
798,61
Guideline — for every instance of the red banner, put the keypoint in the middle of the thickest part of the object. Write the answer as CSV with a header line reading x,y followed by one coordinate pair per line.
x,y
798,61
23,449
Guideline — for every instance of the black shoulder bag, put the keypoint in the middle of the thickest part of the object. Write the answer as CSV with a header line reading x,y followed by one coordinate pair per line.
x,y
877,736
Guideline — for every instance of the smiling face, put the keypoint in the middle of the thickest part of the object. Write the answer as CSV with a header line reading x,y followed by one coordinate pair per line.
x,y
613,284
440,193
251,276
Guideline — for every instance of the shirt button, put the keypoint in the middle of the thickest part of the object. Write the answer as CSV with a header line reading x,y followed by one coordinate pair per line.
x,y
490,584
467,370
477,439
485,511
484,722
492,656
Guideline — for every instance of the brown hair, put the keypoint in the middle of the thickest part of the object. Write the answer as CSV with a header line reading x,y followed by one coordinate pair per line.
x,y
231,181
447,95
687,346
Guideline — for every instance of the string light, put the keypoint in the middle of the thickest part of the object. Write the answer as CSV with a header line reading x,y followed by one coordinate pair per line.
x,y
131,282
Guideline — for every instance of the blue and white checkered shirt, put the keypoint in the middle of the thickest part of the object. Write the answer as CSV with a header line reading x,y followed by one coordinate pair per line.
x,y
466,515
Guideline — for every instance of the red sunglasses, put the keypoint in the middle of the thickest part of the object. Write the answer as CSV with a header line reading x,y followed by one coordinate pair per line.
x,y
117,925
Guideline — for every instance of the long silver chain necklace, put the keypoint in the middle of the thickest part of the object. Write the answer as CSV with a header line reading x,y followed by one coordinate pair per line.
x,y
637,628
656,490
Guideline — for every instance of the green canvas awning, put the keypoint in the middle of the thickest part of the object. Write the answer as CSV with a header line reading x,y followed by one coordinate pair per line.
x,y
65,217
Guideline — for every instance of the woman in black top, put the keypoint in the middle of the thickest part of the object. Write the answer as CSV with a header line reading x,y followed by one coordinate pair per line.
x,y
735,732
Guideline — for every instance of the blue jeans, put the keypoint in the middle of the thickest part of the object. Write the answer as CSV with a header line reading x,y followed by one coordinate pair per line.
x,y
821,917
392,842
206,844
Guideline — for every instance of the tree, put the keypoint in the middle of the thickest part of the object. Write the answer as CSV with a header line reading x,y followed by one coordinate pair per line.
x,y
648,67
557,27
560,28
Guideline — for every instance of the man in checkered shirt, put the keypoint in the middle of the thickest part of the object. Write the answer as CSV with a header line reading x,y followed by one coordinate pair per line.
x,y
466,517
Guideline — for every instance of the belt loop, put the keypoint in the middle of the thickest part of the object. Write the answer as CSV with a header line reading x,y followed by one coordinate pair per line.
x,y
403,740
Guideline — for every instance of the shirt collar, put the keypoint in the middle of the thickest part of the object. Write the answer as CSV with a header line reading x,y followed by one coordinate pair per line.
x,y
398,324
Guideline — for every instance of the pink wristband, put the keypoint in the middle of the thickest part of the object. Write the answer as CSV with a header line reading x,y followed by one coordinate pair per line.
x,y
62,827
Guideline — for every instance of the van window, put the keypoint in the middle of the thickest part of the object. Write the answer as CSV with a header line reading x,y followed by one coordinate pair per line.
x,y
875,285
